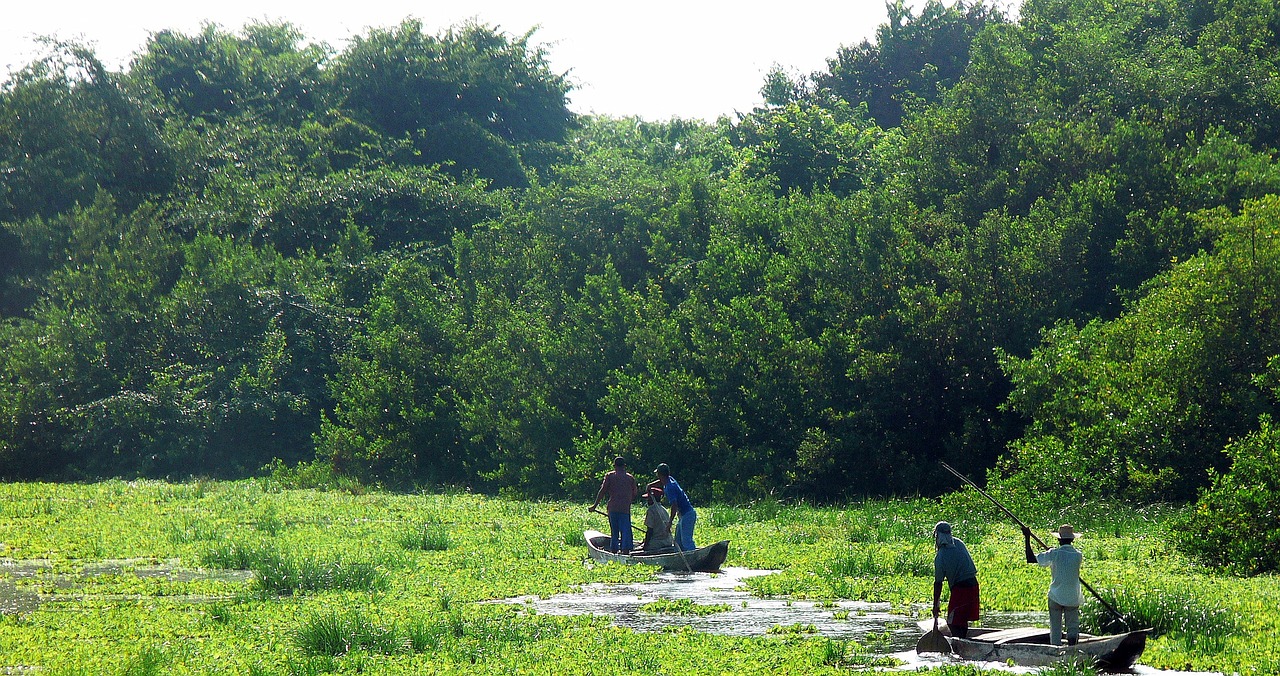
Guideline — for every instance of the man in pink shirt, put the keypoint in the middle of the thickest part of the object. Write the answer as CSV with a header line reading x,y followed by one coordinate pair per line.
x,y
622,490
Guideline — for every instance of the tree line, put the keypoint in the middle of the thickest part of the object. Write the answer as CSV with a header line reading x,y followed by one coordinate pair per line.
x,y
1042,248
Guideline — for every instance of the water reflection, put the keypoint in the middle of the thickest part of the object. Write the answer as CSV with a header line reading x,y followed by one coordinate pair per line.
x,y
874,625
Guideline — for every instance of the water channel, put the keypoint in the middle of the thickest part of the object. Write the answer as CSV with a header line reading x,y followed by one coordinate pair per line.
x,y
875,625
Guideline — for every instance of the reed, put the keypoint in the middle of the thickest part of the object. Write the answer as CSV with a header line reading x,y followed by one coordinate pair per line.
x,y
1184,617
428,537
293,574
337,633
877,561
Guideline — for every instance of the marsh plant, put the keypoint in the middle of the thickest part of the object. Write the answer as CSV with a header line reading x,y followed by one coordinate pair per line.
x,y
237,555
684,607
268,521
282,574
875,561
1185,617
337,633
427,537
850,654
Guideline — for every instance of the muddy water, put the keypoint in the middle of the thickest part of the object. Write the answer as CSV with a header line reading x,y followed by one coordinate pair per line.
x,y
874,625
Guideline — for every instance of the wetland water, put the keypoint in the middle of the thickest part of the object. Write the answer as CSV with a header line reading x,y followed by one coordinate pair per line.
x,y
874,625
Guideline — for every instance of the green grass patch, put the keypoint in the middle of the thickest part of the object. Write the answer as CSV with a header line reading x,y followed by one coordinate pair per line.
x,y
427,537
282,574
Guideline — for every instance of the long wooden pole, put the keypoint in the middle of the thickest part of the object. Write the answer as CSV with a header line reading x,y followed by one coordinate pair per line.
x,y
1040,542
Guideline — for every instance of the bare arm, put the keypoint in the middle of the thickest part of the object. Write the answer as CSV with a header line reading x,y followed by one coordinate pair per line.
x,y
604,486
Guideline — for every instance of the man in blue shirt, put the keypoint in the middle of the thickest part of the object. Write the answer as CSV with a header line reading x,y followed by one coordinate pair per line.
x,y
953,564
679,505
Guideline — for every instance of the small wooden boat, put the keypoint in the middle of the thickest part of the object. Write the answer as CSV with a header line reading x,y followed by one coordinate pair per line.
x,y
706,559
1029,646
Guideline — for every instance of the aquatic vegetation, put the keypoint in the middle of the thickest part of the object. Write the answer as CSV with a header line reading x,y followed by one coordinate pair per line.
x,y
281,574
791,629
845,654
337,633
1183,616
427,537
342,582
874,561
684,607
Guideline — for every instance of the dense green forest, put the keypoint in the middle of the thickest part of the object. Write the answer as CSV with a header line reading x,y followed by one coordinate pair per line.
x,y
1043,248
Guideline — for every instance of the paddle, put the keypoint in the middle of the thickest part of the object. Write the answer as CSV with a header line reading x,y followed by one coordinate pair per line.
x,y
1038,541
933,641
680,550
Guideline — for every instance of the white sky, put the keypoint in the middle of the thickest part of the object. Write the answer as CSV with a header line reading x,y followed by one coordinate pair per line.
x,y
655,59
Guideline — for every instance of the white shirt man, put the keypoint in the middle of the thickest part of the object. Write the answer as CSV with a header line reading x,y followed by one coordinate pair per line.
x,y
1065,596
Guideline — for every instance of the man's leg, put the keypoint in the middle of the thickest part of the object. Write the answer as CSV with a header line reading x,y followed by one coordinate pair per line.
x,y
1072,616
1055,622
684,530
628,539
616,525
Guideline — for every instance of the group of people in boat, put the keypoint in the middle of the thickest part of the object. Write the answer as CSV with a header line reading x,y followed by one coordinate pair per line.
x,y
622,490
953,564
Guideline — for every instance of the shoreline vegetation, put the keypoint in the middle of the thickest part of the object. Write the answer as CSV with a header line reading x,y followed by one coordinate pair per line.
x,y
143,577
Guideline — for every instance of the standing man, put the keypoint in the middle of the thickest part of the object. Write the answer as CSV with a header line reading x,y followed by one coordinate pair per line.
x,y
1065,596
679,505
953,564
622,490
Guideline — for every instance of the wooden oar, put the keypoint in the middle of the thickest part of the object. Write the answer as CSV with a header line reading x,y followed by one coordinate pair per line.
x,y
933,641
1040,542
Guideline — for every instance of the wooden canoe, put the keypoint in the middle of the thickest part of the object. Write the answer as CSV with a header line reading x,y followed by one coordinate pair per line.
x,y
706,559
1029,646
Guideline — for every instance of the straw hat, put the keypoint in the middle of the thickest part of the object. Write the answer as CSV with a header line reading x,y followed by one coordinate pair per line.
x,y
1065,532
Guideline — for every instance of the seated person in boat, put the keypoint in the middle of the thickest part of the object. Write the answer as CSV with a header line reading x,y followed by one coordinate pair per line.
x,y
622,490
1065,596
679,505
953,564
657,537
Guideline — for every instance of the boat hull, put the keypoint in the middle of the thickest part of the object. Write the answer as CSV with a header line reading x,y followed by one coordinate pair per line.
x,y
1029,646
706,559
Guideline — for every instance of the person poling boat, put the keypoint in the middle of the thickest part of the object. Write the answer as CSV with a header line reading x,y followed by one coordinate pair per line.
x,y
622,490
679,505
1065,596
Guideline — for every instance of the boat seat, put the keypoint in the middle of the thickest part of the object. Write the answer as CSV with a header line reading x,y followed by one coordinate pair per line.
x,y
1017,635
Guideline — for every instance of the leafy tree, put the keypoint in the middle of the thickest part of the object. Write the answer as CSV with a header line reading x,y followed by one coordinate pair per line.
x,y
265,71
912,61
401,81
1140,406
1233,524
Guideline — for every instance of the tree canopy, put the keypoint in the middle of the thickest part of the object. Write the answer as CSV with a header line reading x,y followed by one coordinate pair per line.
x,y
1042,247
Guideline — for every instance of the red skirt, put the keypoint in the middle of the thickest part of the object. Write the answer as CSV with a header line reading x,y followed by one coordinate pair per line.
x,y
963,604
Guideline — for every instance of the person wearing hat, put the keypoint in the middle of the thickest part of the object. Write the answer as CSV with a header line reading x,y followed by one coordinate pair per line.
x,y
622,490
953,563
1065,596
679,505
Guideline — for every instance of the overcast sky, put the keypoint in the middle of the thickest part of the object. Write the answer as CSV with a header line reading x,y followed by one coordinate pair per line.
x,y
656,59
